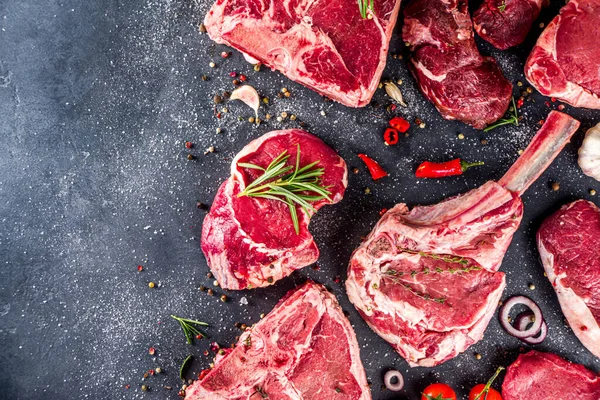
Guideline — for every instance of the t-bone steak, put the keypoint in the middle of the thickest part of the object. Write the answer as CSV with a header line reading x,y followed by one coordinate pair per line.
x,y
426,280
569,245
305,349
564,62
506,23
549,377
251,242
447,65
323,44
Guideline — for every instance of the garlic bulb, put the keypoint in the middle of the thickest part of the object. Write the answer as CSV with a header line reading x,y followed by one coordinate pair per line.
x,y
589,153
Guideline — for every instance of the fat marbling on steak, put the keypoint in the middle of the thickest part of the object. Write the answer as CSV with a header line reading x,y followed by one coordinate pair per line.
x,y
251,242
305,349
447,65
546,376
564,62
569,245
426,280
506,23
323,44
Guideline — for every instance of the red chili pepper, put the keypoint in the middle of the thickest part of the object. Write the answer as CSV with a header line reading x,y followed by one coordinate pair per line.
x,y
399,123
390,136
374,168
439,170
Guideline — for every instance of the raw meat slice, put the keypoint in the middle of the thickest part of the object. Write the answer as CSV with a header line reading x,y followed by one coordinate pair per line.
x,y
304,349
546,376
250,242
564,62
569,245
506,23
447,65
323,44
426,279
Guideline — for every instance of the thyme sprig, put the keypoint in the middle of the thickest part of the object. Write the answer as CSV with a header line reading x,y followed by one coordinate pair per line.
x,y
449,259
289,184
424,296
363,6
502,6
189,327
513,117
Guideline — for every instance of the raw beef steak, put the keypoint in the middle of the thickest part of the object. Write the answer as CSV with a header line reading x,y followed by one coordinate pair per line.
x,y
506,23
426,279
564,62
251,242
447,65
546,376
305,349
569,245
323,44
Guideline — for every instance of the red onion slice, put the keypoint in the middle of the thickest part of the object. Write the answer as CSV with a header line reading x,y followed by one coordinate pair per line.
x,y
389,377
537,314
525,319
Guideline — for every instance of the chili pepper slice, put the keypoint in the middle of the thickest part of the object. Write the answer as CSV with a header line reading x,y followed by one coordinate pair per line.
x,y
400,124
374,168
390,137
429,169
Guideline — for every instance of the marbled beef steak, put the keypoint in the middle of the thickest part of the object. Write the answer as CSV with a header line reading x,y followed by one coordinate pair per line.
x,y
323,44
250,242
426,279
564,62
569,245
305,349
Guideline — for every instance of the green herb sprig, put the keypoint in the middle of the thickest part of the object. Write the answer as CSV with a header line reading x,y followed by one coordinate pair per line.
x,y
513,118
189,328
502,6
289,184
184,366
363,6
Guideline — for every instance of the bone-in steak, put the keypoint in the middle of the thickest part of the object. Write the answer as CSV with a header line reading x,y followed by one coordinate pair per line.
x,y
569,245
251,242
564,62
323,44
506,23
546,376
447,65
305,349
426,280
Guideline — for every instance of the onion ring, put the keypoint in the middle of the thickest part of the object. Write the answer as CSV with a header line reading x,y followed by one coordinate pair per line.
x,y
525,319
533,330
389,376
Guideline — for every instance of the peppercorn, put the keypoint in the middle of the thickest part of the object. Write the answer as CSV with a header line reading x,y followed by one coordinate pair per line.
x,y
287,94
270,279
529,90
484,141
202,288
478,356
202,28
224,298
215,283
243,327
212,64
158,370
217,99
151,285
284,115
204,77
189,145
531,286
226,95
190,157
555,186
243,78
236,82
367,190
257,67
542,25
210,292
519,83
265,100
209,275
592,192
355,170
461,136
292,117
151,351
140,268
268,117
200,205
284,90
251,120
280,95
144,388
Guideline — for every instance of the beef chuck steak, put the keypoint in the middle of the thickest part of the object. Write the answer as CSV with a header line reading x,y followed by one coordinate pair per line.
x,y
305,349
546,376
564,62
447,65
569,245
323,44
251,242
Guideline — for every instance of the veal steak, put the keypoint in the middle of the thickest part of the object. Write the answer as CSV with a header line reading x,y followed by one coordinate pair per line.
x,y
323,44
564,62
506,23
547,376
447,65
426,279
569,245
305,349
251,242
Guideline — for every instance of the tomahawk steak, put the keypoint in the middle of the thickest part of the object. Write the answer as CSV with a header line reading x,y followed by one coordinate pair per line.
x,y
546,376
569,245
251,242
447,65
323,44
564,62
305,349
506,23
426,279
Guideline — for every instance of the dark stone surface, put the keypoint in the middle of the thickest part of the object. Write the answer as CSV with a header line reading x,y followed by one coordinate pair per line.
x,y
96,102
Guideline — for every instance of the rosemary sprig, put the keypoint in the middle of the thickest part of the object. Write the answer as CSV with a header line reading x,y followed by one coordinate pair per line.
x,y
502,6
189,327
261,392
513,118
184,366
424,296
289,184
363,6
448,259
